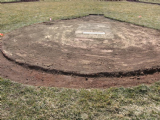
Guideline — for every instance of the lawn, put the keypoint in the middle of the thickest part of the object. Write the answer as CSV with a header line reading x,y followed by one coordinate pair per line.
x,y
41,103
18,15
19,101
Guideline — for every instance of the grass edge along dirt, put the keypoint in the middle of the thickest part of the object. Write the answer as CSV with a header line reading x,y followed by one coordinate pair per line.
x,y
29,102
19,101
25,14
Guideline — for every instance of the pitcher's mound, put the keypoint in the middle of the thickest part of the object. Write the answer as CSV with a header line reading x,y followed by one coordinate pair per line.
x,y
85,46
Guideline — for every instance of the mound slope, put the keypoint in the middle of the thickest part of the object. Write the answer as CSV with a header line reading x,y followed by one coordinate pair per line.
x,y
85,46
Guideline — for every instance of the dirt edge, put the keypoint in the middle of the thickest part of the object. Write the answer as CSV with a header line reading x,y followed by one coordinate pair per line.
x,y
139,72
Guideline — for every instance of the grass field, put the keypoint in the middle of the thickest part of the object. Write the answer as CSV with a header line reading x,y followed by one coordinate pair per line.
x,y
28,103
21,14
41,103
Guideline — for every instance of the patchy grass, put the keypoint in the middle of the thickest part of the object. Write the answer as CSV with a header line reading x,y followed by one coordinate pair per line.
x,y
28,102
18,15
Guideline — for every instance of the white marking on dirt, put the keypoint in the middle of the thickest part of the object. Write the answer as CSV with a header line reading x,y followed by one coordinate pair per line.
x,y
107,51
93,33
48,36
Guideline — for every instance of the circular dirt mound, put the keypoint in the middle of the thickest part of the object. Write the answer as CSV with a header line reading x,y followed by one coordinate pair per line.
x,y
85,46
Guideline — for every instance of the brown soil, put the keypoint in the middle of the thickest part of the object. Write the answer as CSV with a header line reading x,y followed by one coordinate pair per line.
x,y
87,46
31,74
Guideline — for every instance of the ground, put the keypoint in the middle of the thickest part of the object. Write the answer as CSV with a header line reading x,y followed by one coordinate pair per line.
x,y
90,52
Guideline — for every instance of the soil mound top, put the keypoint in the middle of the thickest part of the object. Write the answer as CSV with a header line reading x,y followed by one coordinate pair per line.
x,y
89,45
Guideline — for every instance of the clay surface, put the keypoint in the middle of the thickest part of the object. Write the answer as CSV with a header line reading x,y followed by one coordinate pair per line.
x,y
85,46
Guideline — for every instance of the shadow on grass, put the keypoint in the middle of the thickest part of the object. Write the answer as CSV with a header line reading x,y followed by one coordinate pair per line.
x,y
20,1
142,2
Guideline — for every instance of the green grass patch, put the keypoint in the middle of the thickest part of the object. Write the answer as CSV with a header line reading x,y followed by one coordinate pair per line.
x,y
28,102
17,15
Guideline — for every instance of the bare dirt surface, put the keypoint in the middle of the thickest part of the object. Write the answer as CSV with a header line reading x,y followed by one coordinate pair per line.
x,y
87,46
33,75
17,73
